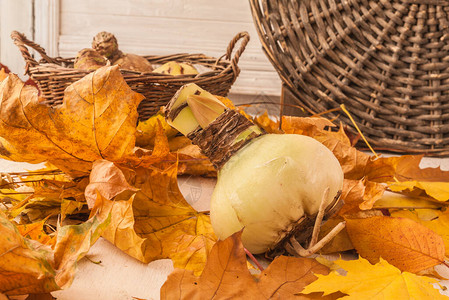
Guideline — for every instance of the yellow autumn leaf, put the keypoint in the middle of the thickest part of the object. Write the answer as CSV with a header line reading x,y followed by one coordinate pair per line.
x,y
380,281
96,120
391,200
436,190
146,130
226,101
36,208
150,217
402,242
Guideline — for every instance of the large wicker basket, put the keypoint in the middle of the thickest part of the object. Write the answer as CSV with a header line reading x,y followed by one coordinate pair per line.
x,y
53,75
386,61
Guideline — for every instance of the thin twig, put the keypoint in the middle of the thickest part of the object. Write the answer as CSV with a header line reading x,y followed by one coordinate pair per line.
x,y
33,173
358,129
270,103
17,193
18,182
93,261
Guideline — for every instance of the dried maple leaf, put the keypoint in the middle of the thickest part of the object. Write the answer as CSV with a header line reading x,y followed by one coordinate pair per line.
x,y
28,266
379,281
72,243
150,217
266,123
226,276
438,221
409,169
25,267
189,157
359,195
402,242
96,120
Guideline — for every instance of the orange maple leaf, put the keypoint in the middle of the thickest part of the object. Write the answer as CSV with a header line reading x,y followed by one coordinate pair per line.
x,y
402,242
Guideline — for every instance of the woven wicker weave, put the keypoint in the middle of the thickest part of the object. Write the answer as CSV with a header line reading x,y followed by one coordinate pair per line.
x,y
53,75
387,61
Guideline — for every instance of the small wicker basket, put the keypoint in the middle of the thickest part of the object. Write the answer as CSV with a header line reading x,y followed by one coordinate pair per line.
x,y
386,61
53,75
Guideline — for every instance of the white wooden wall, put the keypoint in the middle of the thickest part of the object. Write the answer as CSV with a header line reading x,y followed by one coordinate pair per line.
x,y
14,15
156,27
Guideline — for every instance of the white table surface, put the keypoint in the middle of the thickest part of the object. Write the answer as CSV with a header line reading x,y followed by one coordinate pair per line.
x,y
121,277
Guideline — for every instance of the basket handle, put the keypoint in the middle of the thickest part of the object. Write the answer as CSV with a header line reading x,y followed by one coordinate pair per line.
x,y
244,36
22,42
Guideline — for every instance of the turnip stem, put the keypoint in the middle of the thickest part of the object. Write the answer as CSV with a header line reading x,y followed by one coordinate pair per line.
x,y
315,248
255,261
319,218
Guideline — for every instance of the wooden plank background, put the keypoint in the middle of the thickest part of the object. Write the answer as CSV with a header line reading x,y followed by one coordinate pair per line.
x,y
171,26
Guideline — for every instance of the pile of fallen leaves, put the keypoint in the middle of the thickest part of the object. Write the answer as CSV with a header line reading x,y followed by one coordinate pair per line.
x,y
110,176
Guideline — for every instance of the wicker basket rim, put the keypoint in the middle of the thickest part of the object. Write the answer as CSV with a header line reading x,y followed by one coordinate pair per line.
x,y
227,62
